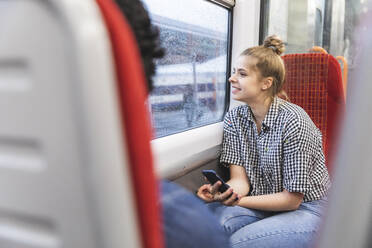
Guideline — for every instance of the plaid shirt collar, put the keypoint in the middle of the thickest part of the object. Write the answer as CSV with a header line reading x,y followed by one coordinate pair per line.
x,y
270,117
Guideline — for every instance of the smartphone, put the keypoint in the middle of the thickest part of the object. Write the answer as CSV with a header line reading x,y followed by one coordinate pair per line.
x,y
212,177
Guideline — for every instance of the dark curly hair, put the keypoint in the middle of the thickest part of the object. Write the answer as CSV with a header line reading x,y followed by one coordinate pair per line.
x,y
147,35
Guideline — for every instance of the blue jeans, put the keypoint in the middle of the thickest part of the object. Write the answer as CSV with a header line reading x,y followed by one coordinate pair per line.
x,y
254,228
187,221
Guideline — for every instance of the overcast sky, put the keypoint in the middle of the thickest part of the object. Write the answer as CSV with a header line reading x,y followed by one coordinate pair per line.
x,y
198,12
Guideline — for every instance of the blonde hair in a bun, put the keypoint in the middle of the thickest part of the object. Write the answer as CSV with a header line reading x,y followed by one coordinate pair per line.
x,y
274,43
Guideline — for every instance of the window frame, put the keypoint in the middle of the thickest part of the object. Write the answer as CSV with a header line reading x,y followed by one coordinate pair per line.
x,y
224,3
264,20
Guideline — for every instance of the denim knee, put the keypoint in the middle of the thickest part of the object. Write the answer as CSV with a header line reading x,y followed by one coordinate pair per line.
x,y
187,222
277,239
287,229
234,218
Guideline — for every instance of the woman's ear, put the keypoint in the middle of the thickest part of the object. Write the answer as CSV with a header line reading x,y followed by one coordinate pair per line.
x,y
267,83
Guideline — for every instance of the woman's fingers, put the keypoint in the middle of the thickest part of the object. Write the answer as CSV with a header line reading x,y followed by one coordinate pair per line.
x,y
223,196
204,193
214,188
210,193
204,187
232,200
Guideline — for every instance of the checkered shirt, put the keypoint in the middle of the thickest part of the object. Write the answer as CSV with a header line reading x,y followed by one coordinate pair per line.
x,y
286,154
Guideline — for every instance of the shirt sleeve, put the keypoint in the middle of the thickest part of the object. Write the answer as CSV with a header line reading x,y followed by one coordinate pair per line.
x,y
301,144
230,153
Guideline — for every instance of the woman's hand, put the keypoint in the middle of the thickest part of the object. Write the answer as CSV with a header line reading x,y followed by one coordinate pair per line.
x,y
205,193
210,193
231,199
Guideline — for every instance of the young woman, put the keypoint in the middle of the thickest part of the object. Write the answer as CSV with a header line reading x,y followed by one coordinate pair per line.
x,y
274,152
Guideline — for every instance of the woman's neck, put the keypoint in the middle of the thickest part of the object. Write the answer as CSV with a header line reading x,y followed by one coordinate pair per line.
x,y
260,109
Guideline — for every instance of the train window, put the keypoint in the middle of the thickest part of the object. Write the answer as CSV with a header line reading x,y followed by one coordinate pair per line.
x,y
298,22
190,81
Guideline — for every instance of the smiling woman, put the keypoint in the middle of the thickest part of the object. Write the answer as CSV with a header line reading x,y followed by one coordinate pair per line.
x,y
259,72
245,79
274,152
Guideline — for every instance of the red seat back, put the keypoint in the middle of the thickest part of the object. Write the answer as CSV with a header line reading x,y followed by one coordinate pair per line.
x,y
314,82
132,92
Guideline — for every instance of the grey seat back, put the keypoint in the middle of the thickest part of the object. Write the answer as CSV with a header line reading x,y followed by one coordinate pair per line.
x,y
63,175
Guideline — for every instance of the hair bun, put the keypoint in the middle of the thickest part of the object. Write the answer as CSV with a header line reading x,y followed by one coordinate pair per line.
x,y
275,43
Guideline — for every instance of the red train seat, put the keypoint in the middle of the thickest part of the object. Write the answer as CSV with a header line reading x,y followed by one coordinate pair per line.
x,y
314,82
132,96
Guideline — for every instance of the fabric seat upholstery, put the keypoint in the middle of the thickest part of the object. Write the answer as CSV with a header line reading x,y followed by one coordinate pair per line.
x,y
314,82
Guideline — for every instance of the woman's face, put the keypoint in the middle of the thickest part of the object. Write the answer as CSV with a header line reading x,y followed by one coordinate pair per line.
x,y
246,81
